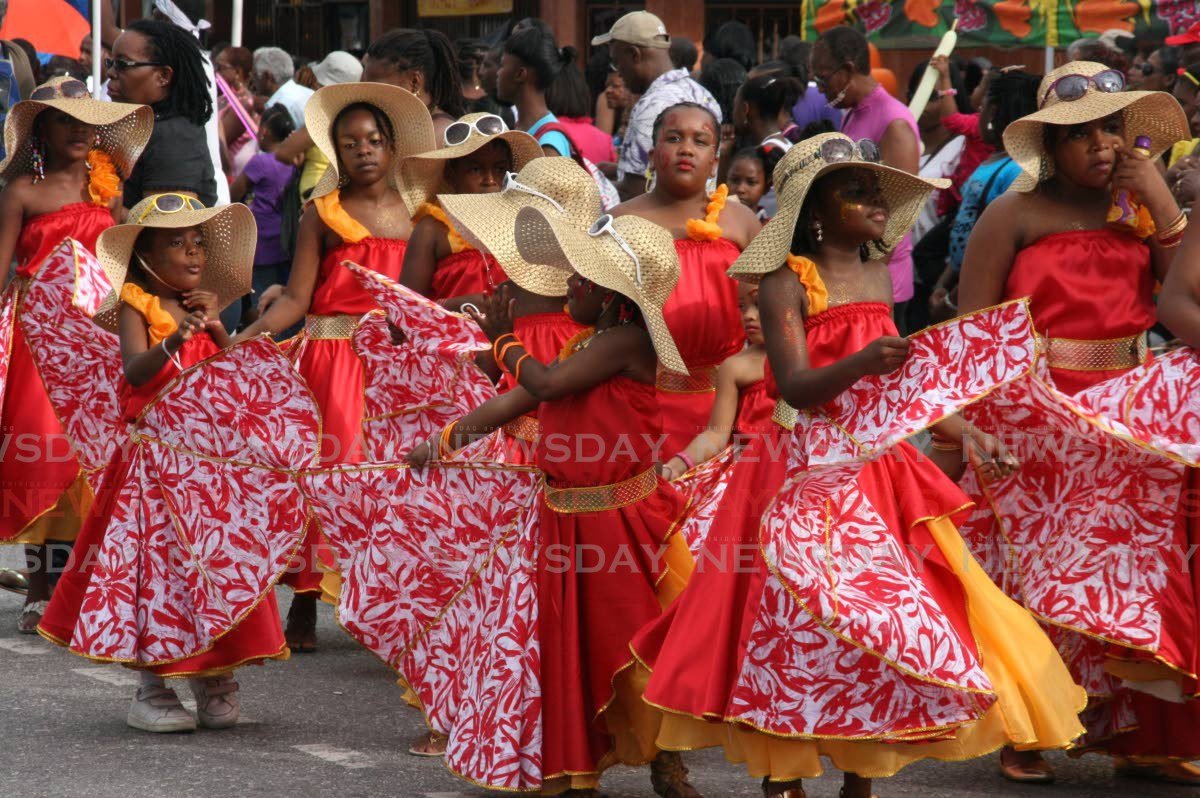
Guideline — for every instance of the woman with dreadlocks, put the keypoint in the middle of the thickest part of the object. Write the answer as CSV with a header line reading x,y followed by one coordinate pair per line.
x,y
160,65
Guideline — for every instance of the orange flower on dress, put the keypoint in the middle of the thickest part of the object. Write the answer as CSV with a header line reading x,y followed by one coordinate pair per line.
x,y
707,229
1097,16
1014,16
103,182
830,15
923,12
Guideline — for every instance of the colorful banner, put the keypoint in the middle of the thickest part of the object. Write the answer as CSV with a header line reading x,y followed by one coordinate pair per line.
x,y
998,23
462,8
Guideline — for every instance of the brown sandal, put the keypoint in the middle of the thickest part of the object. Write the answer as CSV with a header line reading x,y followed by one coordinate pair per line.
x,y
782,789
429,744
31,616
669,777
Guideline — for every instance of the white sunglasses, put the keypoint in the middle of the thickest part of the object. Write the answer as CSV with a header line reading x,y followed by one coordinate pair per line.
x,y
460,131
511,183
605,225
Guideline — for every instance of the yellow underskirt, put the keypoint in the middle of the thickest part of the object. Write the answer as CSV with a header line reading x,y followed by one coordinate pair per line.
x,y
331,588
1037,702
62,522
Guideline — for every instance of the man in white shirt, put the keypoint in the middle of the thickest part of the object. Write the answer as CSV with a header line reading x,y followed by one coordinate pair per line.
x,y
273,70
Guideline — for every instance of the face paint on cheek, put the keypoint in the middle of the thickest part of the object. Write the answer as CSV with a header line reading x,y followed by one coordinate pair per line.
x,y
848,209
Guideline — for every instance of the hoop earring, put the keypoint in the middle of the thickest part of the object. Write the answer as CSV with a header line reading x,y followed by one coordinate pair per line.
x,y
39,161
818,231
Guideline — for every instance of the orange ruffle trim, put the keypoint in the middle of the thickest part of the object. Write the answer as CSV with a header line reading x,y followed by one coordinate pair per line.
x,y
338,219
571,346
162,324
457,242
103,182
814,286
707,229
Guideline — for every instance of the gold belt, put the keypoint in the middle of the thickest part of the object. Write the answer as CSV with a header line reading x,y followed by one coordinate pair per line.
x,y
703,379
601,497
1076,355
525,428
785,415
330,327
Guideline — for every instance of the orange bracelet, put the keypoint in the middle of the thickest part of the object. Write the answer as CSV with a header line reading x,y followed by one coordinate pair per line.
x,y
517,368
445,447
496,343
504,353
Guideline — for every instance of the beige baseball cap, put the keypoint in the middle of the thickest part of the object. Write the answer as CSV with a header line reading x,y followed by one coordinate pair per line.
x,y
639,28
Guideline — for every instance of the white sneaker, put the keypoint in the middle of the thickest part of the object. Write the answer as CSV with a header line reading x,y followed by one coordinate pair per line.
x,y
157,709
217,704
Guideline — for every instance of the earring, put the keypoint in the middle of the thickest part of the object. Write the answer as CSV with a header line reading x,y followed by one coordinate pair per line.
x,y
343,181
625,315
651,179
39,161
818,231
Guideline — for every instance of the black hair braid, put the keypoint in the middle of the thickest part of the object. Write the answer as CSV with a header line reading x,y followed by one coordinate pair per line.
x,y
430,52
174,47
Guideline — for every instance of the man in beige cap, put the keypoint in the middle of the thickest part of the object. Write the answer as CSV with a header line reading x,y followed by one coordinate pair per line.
x,y
640,48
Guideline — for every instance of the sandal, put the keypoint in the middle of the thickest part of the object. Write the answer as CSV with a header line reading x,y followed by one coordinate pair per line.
x,y
31,616
668,777
301,630
1182,773
431,744
1029,767
13,581
782,789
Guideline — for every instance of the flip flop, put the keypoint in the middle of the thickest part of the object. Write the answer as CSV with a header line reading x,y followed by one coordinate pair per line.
x,y
34,610
431,738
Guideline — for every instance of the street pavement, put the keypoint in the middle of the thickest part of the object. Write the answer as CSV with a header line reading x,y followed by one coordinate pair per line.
x,y
332,724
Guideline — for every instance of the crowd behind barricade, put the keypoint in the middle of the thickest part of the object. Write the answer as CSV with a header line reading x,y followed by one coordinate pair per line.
x,y
626,404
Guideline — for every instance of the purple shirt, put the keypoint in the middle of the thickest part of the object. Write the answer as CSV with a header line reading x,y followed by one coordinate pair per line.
x,y
868,120
813,107
268,178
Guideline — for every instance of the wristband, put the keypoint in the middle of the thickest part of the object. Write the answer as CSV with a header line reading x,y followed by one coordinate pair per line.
x,y
947,93
687,461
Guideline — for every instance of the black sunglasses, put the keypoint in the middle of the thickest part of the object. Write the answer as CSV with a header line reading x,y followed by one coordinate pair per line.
x,y
67,89
123,65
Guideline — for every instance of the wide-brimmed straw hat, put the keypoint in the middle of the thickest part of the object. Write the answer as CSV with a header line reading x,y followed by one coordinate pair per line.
x,y
423,174
1147,113
627,254
230,234
411,124
796,173
559,187
123,128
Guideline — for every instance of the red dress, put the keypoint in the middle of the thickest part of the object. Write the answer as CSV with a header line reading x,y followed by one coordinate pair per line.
x,y
1090,285
466,272
258,636
703,317
596,440
758,655
33,486
333,371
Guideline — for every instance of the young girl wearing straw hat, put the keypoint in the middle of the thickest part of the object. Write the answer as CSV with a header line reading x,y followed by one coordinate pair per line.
x,y
145,550
67,156
1085,233
709,234
478,151
790,658
357,214
600,423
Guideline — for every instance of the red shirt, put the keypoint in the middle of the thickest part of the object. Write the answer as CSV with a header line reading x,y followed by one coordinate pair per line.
x,y
975,151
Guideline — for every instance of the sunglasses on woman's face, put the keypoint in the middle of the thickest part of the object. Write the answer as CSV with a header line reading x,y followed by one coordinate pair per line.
x,y
124,64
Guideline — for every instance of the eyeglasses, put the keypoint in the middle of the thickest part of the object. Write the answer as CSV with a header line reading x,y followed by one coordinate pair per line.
x,y
512,184
170,203
1069,88
605,225
68,90
460,131
823,81
124,65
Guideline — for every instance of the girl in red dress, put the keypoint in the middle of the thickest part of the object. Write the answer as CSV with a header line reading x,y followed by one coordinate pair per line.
x,y
599,416
479,151
1057,238
174,268
357,214
555,186
709,234
67,155
793,664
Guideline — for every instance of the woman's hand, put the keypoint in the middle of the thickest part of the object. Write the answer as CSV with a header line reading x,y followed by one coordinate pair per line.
x,y
192,323
673,469
420,456
1137,174
883,355
398,336
268,298
494,315
991,458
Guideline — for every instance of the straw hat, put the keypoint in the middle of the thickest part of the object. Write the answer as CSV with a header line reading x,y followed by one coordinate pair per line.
x,y
1147,113
488,221
123,128
795,174
230,234
410,119
601,257
423,175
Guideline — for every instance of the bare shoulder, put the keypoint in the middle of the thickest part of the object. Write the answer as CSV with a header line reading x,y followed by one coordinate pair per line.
x,y
638,206
739,223
745,368
16,192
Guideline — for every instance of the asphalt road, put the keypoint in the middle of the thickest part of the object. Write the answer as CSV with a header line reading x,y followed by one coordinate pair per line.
x,y
332,724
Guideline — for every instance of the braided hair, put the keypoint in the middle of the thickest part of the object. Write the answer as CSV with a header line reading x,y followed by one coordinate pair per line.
x,y
430,52
174,47
533,42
